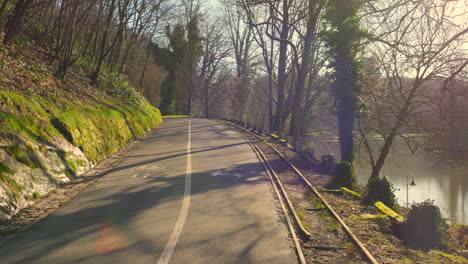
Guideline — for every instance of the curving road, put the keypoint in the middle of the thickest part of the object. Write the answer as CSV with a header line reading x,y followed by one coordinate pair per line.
x,y
192,192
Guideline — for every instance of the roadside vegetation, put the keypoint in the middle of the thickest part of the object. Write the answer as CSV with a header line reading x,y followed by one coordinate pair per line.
x,y
79,79
425,237
64,104
361,75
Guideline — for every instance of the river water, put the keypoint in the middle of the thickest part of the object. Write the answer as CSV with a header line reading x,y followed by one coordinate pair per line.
x,y
445,183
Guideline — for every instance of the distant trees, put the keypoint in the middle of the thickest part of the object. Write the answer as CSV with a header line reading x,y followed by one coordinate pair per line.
x,y
212,73
172,58
288,33
92,33
312,16
242,42
277,27
381,67
415,62
191,18
185,48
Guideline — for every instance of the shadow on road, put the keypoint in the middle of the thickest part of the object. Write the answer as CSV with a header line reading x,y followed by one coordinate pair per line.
x,y
61,229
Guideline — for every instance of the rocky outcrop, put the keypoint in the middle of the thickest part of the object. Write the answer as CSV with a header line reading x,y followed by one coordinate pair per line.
x,y
47,141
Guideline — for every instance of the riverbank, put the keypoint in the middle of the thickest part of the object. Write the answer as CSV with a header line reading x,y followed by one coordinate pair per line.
x,y
436,176
371,226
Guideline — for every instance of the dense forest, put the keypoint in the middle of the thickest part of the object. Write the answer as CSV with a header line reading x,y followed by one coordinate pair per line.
x,y
293,67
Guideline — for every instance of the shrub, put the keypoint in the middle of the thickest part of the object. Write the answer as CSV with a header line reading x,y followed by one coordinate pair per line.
x,y
380,189
344,175
116,84
425,228
113,82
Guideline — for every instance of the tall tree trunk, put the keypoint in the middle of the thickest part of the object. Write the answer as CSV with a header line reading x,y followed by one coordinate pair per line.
x,y
270,118
102,49
206,103
282,60
297,120
190,91
393,132
67,52
145,66
345,47
14,23
344,90
383,155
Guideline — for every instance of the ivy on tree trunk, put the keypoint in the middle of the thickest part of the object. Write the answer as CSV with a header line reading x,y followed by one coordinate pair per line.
x,y
343,37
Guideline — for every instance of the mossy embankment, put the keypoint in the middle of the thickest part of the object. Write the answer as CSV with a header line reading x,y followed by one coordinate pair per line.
x,y
46,140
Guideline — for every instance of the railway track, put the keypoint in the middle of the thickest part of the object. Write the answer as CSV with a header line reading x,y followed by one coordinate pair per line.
x,y
319,233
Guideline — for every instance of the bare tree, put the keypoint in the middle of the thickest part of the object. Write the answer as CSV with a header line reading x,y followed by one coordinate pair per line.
x,y
278,26
314,8
241,37
212,67
414,45
192,12
268,48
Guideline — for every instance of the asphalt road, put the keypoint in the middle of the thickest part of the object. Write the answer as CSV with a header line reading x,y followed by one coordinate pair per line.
x,y
193,192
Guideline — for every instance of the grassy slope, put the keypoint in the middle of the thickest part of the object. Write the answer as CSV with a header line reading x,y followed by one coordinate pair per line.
x,y
57,128
98,127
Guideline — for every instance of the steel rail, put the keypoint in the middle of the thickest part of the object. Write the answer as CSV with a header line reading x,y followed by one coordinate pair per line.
x,y
285,194
348,230
262,159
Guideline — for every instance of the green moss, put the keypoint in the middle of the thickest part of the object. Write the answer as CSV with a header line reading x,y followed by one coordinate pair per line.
x,y
42,149
62,128
349,248
319,205
388,211
333,227
305,225
24,154
444,257
350,192
73,166
324,214
344,175
81,163
11,183
302,218
316,202
98,126
4,168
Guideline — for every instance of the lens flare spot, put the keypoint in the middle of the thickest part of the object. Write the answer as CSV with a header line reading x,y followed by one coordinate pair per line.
x,y
111,239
